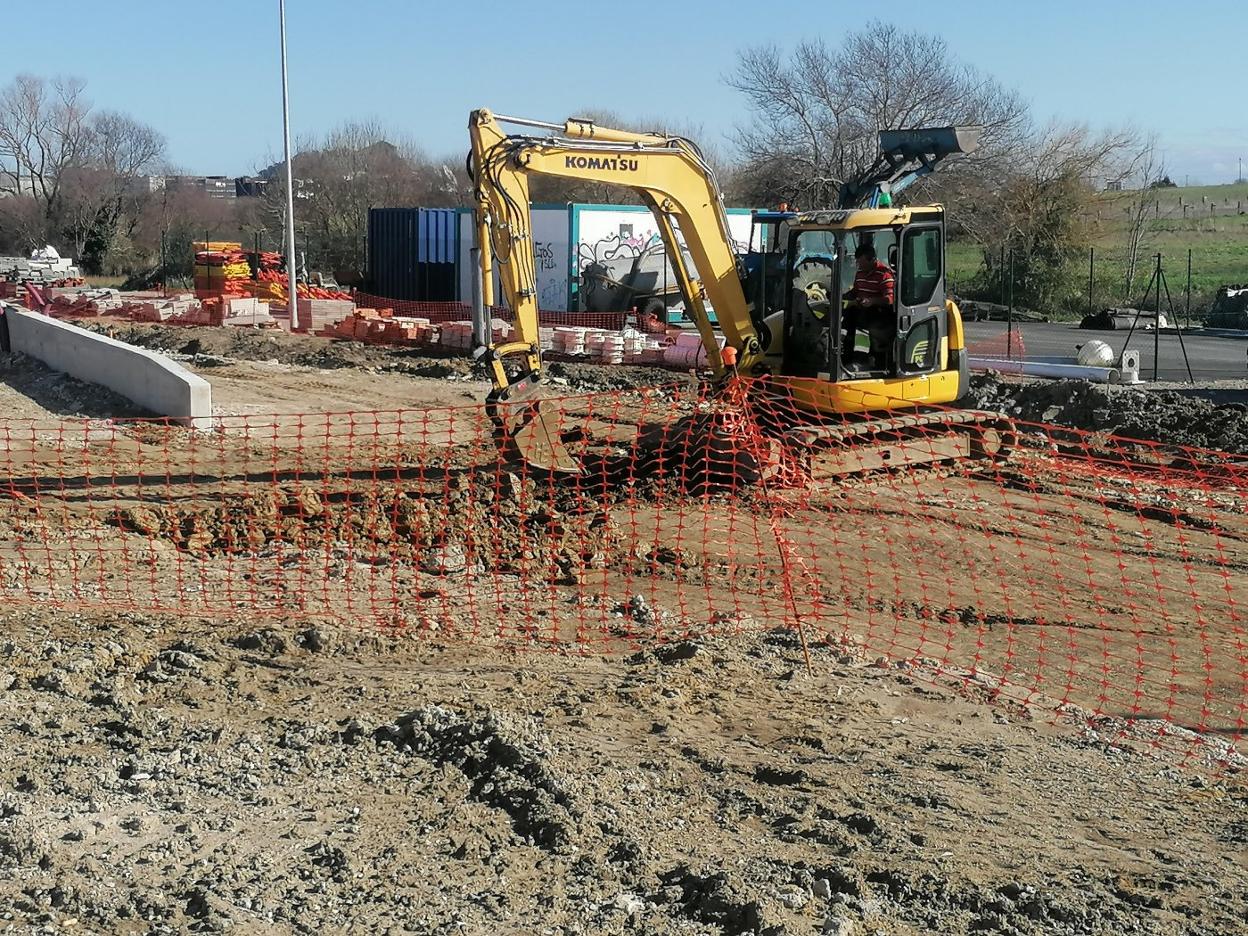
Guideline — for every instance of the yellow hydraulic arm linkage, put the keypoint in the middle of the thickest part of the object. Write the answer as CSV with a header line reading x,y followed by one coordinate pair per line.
x,y
672,180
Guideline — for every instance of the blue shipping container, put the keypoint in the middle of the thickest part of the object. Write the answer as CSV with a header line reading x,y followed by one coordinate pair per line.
x,y
413,253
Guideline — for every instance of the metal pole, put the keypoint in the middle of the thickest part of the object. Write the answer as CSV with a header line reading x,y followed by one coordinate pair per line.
x,y
1091,271
480,326
1189,288
291,275
1009,314
1001,276
1157,322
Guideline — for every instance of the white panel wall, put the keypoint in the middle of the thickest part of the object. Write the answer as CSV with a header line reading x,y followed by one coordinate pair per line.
x,y
551,260
550,253
603,232
608,232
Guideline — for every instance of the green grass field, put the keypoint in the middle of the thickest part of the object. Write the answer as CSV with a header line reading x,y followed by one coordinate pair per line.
x,y
1181,220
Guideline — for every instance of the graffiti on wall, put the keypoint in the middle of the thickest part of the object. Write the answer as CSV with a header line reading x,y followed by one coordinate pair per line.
x,y
552,286
626,256
627,245
544,253
613,248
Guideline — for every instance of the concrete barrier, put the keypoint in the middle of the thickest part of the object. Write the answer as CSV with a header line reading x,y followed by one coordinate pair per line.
x,y
144,377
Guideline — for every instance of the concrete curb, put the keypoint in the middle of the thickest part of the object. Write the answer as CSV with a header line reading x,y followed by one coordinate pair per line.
x,y
144,377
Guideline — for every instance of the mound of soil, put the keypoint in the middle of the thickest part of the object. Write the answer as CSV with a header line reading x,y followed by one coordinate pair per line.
x,y
446,530
1132,412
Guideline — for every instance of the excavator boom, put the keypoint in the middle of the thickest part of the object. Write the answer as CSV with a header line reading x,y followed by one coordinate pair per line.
x,y
669,176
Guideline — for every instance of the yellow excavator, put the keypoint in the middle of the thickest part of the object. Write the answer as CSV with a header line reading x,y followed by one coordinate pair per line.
x,y
853,402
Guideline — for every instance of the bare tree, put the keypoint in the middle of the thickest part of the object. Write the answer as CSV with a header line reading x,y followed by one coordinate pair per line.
x,y
171,219
77,167
43,131
1144,170
816,113
23,224
355,167
1042,207
100,193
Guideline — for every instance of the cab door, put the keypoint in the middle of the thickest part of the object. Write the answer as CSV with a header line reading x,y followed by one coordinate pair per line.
x,y
922,324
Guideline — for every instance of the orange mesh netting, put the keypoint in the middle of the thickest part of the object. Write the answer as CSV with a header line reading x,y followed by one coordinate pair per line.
x,y
1100,578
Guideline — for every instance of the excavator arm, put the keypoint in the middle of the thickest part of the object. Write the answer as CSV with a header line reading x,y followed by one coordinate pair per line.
x,y
670,177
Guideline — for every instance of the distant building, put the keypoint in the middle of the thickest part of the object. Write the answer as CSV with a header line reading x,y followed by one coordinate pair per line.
x,y
1113,185
250,187
146,185
25,185
213,186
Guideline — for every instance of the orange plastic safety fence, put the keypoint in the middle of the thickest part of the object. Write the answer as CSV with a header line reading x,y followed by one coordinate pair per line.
x,y
1099,577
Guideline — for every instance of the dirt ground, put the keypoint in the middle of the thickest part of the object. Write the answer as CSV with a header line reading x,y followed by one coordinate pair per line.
x,y
310,672
162,776
259,373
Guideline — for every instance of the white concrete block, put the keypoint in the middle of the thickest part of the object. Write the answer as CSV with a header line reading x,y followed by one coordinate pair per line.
x,y
149,379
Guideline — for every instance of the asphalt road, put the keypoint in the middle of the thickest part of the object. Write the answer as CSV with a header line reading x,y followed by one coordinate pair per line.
x,y
1211,357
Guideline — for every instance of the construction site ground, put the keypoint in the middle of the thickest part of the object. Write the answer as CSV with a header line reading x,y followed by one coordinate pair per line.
x,y
163,776
295,773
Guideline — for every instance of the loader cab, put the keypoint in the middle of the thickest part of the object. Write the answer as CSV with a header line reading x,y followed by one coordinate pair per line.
x,y
903,343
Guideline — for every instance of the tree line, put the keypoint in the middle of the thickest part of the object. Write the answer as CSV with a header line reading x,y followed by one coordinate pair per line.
x,y
809,125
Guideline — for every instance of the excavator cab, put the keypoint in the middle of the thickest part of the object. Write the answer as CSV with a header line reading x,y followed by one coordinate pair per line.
x,y
826,337
850,359
762,265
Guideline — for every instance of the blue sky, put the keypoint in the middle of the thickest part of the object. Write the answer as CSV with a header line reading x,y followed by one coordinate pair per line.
x,y
206,74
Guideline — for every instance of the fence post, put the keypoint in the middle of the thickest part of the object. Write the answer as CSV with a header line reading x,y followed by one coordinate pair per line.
x,y
1157,322
1091,271
1001,276
1009,314
1189,287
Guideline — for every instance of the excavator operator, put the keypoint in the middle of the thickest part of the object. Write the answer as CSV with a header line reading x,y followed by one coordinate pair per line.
x,y
869,305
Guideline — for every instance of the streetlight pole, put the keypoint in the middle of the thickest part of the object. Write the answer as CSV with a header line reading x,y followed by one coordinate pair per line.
x,y
291,263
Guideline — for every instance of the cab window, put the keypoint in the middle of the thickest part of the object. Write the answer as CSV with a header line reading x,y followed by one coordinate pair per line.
x,y
885,242
814,262
921,259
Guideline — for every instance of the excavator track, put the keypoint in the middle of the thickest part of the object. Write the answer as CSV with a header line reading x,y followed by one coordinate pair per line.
x,y
893,443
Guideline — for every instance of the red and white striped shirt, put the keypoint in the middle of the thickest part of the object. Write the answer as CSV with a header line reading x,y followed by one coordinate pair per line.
x,y
874,283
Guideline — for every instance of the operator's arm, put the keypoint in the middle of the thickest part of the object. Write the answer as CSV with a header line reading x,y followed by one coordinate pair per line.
x,y
888,284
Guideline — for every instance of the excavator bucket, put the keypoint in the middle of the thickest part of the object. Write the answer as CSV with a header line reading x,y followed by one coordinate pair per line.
x,y
528,427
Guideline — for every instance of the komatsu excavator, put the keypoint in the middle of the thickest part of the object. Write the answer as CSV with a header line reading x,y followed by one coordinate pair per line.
x,y
852,409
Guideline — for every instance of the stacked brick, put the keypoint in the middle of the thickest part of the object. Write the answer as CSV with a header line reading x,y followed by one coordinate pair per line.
x,y
673,348
221,269
175,310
